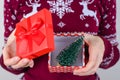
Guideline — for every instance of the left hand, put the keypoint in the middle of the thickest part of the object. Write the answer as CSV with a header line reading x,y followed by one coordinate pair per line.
x,y
11,59
96,52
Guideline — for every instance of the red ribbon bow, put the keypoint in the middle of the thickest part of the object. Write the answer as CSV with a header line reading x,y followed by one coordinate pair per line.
x,y
29,35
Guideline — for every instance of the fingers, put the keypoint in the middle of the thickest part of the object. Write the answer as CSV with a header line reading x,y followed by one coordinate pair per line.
x,y
21,64
31,63
89,69
16,62
11,61
86,71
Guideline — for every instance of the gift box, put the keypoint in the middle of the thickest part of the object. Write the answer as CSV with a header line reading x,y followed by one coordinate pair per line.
x,y
68,54
34,35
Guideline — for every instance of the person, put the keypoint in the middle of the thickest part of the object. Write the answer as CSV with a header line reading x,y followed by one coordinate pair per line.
x,y
95,19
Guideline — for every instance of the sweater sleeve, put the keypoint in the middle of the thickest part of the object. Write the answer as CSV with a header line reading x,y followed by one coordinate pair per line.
x,y
107,32
10,20
10,17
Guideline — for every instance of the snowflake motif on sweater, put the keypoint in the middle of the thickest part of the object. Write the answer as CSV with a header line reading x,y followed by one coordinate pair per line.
x,y
60,7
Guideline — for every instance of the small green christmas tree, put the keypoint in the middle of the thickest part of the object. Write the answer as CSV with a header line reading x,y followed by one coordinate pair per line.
x,y
68,55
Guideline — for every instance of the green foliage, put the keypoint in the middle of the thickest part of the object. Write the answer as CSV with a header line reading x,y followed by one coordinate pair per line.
x,y
68,55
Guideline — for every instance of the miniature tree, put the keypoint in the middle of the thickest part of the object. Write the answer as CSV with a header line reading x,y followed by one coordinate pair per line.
x,y
68,55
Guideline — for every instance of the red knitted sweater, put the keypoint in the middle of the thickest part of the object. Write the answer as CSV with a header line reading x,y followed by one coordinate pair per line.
x,y
97,17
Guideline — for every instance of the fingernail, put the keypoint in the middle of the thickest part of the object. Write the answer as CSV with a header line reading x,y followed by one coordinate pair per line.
x,y
31,65
25,60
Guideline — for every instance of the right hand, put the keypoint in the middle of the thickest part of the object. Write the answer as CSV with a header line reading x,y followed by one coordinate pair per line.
x,y
10,58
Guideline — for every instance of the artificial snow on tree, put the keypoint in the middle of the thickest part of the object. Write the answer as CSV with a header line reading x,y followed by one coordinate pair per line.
x,y
68,56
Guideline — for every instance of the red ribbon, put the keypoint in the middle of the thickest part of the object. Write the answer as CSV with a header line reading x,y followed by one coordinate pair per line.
x,y
30,33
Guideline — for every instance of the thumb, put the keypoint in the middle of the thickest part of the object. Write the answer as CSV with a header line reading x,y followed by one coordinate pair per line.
x,y
11,38
6,55
31,63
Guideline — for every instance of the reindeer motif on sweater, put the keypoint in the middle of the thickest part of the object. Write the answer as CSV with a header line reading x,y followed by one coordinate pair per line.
x,y
88,12
34,6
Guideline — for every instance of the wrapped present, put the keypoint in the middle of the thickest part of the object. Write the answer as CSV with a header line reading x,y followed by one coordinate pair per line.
x,y
34,35
68,54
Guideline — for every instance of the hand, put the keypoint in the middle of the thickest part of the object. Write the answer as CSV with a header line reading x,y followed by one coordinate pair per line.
x,y
96,52
10,58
